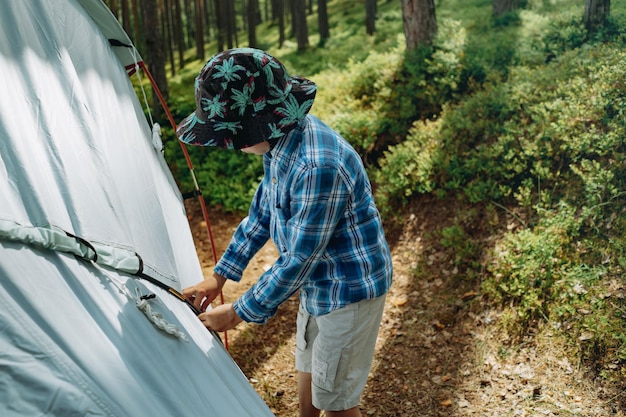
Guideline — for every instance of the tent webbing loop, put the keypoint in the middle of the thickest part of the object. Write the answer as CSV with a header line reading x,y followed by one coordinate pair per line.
x,y
192,194
117,42
122,260
197,191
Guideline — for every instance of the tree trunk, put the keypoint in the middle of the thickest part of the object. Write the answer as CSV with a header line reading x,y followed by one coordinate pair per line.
x,y
208,13
300,24
322,21
113,7
178,33
252,22
233,42
199,9
291,5
136,20
189,27
169,36
126,17
501,7
278,12
420,22
596,13
370,16
155,55
220,23
244,14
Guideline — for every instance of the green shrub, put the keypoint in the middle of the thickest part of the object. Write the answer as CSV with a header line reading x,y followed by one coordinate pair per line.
x,y
465,250
533,136
564,272
368,102
566,32
407,168
226,178
527,264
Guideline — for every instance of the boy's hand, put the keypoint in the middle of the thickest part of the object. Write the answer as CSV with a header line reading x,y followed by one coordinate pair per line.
x,y
220,318
203,293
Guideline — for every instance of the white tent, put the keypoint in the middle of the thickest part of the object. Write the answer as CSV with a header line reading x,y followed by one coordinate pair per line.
x,y
92,228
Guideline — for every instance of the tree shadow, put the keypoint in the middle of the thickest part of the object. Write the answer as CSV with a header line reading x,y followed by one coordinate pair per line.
x,y
257,344
426,346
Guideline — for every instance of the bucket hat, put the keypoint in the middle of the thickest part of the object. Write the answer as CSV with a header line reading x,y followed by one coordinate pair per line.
x,y
244,96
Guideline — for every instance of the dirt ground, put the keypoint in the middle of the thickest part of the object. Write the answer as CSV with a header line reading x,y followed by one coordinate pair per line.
x,y
440,351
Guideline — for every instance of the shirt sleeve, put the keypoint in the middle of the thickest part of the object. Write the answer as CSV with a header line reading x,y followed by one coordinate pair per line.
x,y
319,198
249,237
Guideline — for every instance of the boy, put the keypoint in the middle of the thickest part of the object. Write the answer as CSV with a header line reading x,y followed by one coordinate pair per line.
x,y
315,202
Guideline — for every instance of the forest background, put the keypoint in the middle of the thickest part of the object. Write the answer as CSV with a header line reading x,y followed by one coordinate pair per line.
x,y
507,116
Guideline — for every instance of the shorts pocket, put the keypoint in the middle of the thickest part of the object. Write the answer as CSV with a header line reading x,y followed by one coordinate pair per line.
x,y
324,366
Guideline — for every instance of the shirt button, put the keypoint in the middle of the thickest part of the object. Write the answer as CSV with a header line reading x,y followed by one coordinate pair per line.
x,y
274,180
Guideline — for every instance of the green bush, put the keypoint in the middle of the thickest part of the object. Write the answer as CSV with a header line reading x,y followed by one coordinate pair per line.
x,y
535,135
368,102
407,168
549,141
564,33
527,264
226,178
564,272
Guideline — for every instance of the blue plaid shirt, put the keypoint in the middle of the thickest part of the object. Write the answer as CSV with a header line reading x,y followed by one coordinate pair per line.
x,y
315,202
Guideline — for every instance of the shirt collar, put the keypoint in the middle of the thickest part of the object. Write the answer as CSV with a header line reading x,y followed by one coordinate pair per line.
x,y
285,144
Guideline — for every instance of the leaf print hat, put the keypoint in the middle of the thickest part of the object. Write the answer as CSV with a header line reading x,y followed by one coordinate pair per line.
x,y
244,97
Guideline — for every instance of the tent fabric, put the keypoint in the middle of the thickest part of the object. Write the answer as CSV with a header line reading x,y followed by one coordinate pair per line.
x,y
111,30
85,202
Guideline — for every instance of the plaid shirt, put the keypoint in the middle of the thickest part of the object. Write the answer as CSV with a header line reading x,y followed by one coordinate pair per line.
x,y
315,202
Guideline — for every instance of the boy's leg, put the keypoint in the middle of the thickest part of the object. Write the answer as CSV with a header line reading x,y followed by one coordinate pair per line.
x,y
304,395
353,412
336,351
306,404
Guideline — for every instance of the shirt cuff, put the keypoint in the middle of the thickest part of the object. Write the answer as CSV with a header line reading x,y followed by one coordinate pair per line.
x,y
228,270
249,309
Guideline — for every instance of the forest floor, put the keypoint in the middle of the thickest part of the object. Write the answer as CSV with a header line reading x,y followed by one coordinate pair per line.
x,y
440,351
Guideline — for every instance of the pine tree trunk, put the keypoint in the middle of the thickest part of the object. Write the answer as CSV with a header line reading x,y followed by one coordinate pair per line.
x,y
189,29
228,23
501,7
291,6
208,21
596,13
178,34
420,22
252,22
199,9
278,12
232,24
169,35
322,21
370,16
220,23
300,24
155,54
136,20
113,6
126,17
